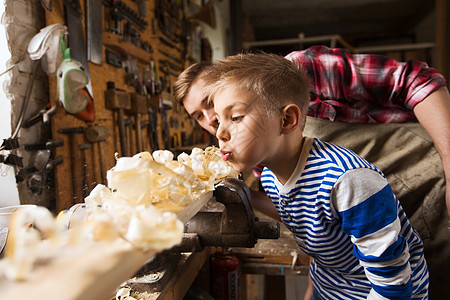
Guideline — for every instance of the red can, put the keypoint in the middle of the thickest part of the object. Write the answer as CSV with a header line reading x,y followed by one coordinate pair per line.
x,y
225,275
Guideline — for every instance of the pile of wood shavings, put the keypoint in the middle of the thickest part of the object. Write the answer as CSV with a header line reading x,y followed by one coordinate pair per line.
x,y
124,210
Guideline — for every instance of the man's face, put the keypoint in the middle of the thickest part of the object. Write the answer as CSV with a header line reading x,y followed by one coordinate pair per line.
x,y
196,105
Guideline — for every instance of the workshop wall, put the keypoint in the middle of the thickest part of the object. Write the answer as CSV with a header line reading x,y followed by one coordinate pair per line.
x,y
133,62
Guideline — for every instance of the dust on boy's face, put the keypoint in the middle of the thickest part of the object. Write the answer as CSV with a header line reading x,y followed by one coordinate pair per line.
x,y
246,133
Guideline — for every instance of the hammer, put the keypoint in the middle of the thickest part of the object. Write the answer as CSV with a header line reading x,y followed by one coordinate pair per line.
x,y
128,124
118,101
138,107
71,132
83,148
98,134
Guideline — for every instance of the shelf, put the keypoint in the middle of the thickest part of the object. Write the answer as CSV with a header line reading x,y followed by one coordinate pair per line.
x,y
124,47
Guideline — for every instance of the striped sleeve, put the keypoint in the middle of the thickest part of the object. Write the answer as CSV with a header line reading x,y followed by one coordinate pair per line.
x,y
368,210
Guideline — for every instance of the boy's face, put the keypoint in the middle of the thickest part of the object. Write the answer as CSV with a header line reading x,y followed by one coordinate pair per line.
x,y
196,105
247,135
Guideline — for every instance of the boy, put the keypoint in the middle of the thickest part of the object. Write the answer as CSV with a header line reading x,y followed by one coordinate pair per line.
x,y
339,207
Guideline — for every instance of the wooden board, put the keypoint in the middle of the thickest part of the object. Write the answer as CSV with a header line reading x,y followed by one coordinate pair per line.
x,y
280,251
179,282
69,274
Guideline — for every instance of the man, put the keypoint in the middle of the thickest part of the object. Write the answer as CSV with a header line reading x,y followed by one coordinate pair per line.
x,y
371,104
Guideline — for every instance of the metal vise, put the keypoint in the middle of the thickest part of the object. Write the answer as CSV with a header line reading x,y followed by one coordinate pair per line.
x,y
227,220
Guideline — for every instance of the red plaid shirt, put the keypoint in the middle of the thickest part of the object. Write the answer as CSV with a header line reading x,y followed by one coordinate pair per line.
x,y
365,88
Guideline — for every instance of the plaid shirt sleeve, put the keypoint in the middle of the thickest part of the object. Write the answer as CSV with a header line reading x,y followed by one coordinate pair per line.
x,y
365,88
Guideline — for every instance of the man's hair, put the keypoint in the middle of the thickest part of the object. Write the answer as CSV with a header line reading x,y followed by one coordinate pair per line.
x,y
186,78
275,80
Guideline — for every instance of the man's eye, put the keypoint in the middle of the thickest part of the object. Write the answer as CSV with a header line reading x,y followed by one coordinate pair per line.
x,y
237,119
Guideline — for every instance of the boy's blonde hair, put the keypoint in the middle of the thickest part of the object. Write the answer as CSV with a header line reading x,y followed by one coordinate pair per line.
x,y
275,80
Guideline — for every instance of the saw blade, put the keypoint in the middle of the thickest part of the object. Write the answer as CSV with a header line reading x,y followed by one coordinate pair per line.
x,y
77,44
94,31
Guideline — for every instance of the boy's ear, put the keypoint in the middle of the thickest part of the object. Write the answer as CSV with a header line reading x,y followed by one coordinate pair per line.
x,y
290,118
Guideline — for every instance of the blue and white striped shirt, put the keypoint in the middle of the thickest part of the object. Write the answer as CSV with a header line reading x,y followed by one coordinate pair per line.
x,y
343,213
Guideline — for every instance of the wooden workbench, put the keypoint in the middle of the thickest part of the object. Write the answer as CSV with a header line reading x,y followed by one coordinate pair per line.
x,y
273,268
180,279
267,258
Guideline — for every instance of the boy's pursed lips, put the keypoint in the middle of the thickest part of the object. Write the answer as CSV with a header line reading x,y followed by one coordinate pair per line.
x,y
225,155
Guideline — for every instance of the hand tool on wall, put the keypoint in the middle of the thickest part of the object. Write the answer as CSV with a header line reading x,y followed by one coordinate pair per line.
x,y
118,101
35,182
175,134
131,71
123,11
176,140
49,167
170,65
44,145
167,16
74,19
138,107
43,162
11,159
43,115
38,175
152,129
48,177
86,189
40,160
52,163
149,79
160,123
177,60
72,133
10,143
128,123
165,129
145,144
94,31
168,44
142,7
115,20
98,134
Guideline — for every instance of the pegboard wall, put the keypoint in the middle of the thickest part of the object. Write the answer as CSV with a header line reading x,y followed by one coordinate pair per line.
x,y
135,50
